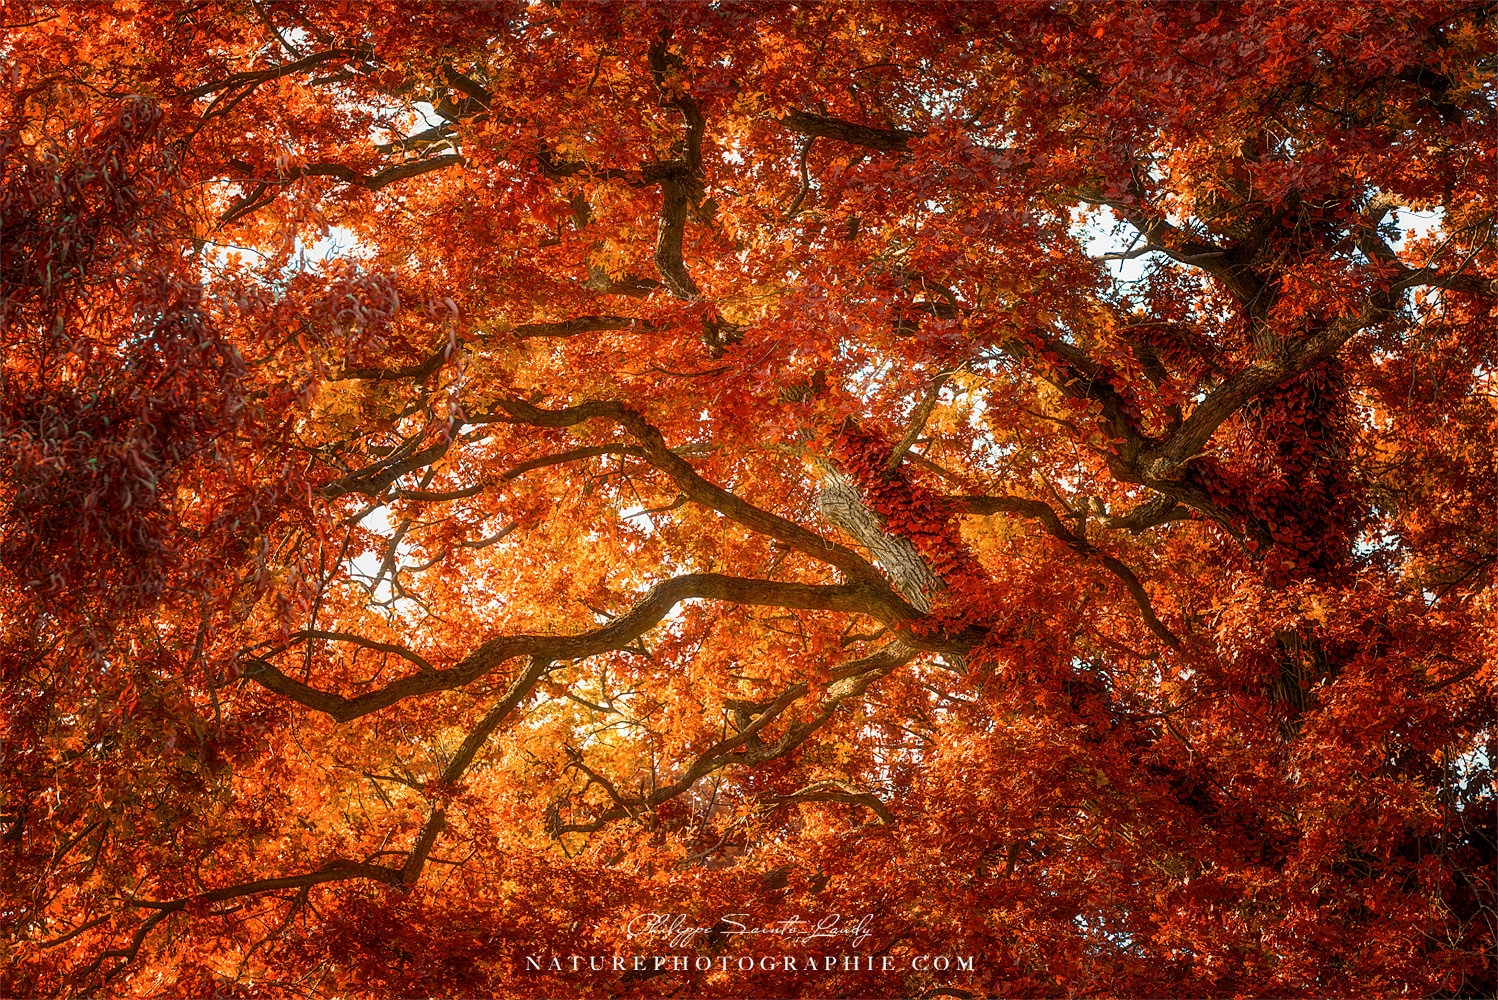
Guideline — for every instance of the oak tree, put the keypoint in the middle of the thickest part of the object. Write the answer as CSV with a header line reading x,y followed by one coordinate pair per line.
x,y
477,473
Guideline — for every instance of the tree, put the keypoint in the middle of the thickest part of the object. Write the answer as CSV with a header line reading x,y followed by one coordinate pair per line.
x,y
475,474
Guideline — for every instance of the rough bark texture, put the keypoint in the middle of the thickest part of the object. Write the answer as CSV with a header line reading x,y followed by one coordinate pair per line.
x,y
841,503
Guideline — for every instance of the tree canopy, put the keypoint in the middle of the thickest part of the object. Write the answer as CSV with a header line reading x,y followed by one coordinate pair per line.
x,y
474,474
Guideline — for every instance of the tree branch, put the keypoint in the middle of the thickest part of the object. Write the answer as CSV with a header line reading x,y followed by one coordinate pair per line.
x,y
918,418
374,479
359,640
257,77
1043,513
886,140
852,680
617,634
838,791
575,455
678,188
582,324
371,182
416,372
699,489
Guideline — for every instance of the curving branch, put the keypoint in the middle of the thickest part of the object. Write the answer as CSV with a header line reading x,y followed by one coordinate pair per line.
x,y
834,790
416,372
840,501
1161,463
254,78
1149,514
266,191
575,455
1047,516
436,135
747,747
1164,461
680,179
358,640
699,489
668,243
435,496
918,418
374,479
631,285
1229,265
338,870
520,689
805,188
662,61
744,748
618,634
1076,374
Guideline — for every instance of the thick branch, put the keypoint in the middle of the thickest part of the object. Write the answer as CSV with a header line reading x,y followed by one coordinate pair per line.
x,y
434,496
867,136
918,418
421,140
258,198
256,77
520,688
1227,264
668,243
1152,513
617,634
422,849
1165,460
338,870
839,791
662,60
699,489
1081,377
840,501
575,455
582,324
678,188
632,285
376,478
416,372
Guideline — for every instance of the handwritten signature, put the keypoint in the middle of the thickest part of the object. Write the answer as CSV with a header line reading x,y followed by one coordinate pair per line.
x,y
679,929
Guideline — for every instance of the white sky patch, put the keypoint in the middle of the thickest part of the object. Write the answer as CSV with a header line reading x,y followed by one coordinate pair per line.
x,y
339,243
641,518
1414,225
378,521
1103,232
367,564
